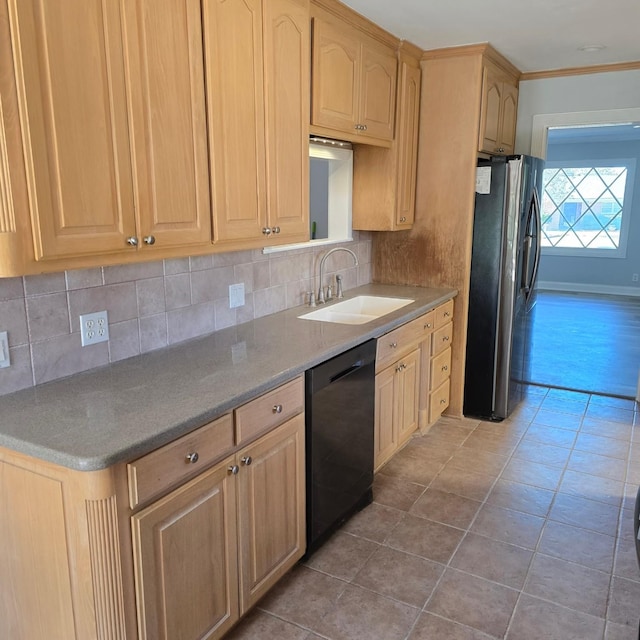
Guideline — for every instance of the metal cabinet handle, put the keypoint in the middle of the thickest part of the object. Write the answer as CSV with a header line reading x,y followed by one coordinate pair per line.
x,y
500,149
246,460
149,240
444,368
427,325
266,231
233,469
443,401
446,314
401,367
364,127
403,219
393,345
445,338
192,458
132,241
277,408
275,229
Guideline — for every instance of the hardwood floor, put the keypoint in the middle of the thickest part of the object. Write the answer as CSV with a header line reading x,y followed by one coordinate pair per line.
x,y
588,343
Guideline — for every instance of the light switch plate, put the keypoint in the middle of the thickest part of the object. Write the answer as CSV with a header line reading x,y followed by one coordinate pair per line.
x,y
236,295
5,358
94,328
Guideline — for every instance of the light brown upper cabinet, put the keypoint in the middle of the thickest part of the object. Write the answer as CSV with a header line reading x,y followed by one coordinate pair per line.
x,y
353,84
498,112
111,110
257,58
384,181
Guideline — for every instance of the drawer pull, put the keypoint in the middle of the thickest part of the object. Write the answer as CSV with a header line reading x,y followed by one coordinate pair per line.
x,y
393,345
401,367
277,408
445,338
427,325
443,401
192,458
233,469
444,368
247,460
446,314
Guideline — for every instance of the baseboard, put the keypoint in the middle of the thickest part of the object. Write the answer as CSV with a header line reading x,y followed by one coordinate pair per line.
x,y
577,287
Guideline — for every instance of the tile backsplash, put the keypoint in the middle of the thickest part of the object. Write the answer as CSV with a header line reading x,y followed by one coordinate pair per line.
x,y
152,305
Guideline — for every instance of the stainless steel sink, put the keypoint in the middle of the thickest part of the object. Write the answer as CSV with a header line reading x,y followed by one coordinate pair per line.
x,y
358,310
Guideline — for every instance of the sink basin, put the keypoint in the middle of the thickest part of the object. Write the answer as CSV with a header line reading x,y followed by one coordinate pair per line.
x,y
357,310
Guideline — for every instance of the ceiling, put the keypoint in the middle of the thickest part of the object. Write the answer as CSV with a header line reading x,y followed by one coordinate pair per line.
x,y
534,36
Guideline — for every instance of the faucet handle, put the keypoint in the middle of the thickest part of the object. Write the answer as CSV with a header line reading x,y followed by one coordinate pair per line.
x,y
312,298
339,293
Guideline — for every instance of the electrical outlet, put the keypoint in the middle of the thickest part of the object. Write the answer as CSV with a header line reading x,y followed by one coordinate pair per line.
x,y
236,295
94,328
634,277
5,358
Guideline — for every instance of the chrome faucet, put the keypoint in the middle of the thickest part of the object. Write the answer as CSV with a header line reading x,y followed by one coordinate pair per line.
x,y
320,297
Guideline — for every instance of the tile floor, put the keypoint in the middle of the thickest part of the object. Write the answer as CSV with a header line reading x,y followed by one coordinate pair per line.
x,y
520,530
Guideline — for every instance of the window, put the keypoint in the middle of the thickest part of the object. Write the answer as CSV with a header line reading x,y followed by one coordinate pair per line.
x,y
583,207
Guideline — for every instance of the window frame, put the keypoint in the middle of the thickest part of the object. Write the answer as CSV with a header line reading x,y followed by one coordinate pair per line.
x,y
586,252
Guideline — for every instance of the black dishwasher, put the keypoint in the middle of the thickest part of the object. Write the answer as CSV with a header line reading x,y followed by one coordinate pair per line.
x,y
339,410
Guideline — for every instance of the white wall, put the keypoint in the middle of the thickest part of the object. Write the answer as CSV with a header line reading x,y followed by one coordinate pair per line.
x,y
590,92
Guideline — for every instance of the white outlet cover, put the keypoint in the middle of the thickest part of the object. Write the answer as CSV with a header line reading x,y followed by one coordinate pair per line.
x,y
94,328
236,295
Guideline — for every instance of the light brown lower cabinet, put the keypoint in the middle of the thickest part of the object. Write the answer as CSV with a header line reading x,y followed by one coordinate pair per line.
x,y
205,553
396,411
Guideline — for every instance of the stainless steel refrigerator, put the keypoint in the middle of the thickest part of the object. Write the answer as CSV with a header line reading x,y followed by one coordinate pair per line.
x,y
504,266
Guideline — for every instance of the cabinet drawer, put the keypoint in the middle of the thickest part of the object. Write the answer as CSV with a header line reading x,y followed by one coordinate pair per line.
x,y
440,369
443,314
163,468
438,401
269,410
400,341
442,339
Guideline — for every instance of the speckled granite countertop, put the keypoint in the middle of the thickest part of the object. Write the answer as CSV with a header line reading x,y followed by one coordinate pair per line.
x,y
117,413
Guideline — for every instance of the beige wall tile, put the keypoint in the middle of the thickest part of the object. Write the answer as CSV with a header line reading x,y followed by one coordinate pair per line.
x,y
124,340
11,288
150,295
13,320
153,332
84,278
119,300
177,291
190,322
129,272
48,316
19,375
47,283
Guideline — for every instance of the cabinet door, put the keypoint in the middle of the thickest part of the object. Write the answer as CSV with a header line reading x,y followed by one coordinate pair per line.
x,y
166,81
490,111
336,77
408,396
378,91
235,103
385,433
271,509
407,144
286,57
508,115
74,124
185,555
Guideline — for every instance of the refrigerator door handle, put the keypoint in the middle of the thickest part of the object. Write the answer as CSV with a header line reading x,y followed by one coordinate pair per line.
x,y
531,235
537,236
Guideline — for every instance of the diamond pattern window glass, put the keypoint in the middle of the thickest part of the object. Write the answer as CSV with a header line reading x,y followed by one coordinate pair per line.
x,y
583,207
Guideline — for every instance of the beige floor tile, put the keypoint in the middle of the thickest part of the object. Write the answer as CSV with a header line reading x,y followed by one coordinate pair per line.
x,y
432,627
360,614
612,414
425,538
533,473
606,428
592,487
374,523
586,514
551,435
542,453
494,560
395,492
576,405
259,624
568,584
508,526
413,467
603,446
582,546
624,602
596,465
521,497
626,524
303,596
558,419
453,433
463,483
498,442
447,508
620,632
626,563
473,601
535,619
478,460
400,576
343,555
